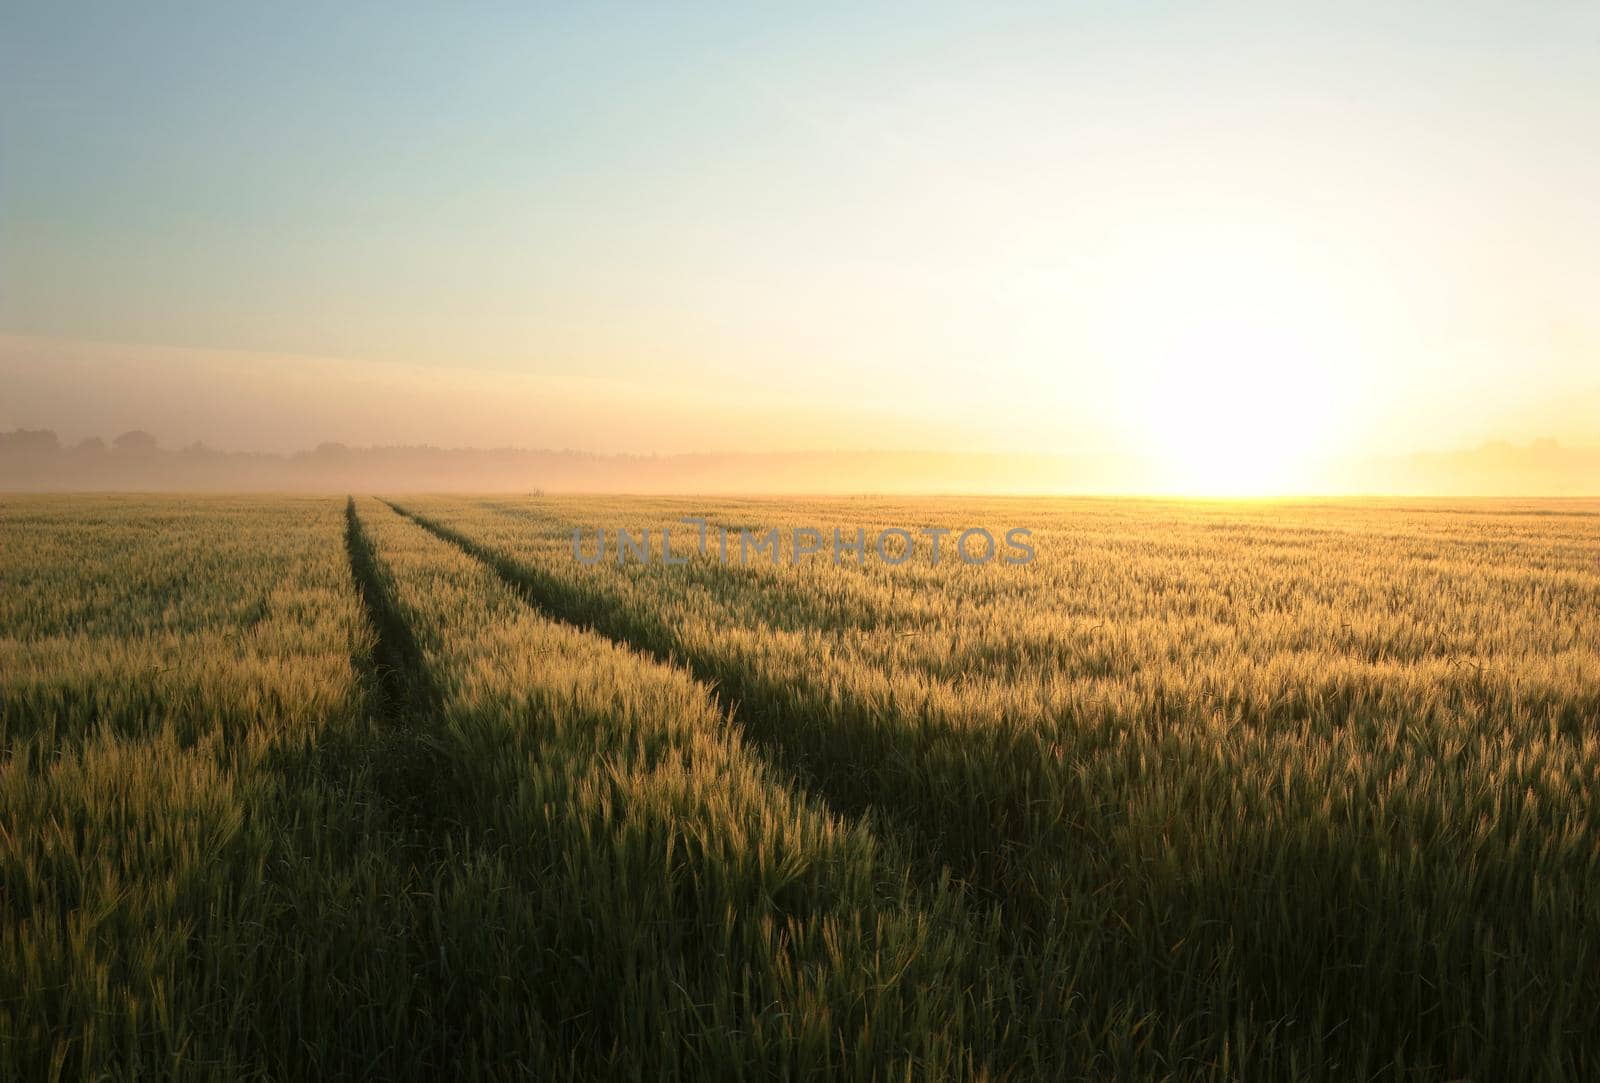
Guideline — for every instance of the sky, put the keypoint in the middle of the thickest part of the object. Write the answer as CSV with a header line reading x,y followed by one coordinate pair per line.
x,y
1239,238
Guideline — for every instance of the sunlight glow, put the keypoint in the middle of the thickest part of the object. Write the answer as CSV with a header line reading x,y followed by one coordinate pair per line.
x,y
1238,363
1236,411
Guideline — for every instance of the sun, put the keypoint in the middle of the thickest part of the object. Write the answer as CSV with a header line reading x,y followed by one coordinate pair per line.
x,y
1236,366
1238,410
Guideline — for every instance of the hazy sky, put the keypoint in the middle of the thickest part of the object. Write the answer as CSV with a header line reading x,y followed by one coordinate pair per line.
x,y
1208,228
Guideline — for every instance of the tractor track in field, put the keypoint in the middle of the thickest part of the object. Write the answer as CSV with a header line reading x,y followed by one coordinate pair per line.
x,y
403,699
563,606
555,602
932,870
403,691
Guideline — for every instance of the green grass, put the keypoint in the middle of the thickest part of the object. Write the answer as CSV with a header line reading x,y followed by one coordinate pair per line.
x,y
1207,791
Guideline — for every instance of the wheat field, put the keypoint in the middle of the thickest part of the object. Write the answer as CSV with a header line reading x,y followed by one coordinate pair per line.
x,y
301,787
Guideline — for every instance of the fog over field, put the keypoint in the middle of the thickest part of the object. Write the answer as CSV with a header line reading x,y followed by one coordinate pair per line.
x,y
219,420
37,460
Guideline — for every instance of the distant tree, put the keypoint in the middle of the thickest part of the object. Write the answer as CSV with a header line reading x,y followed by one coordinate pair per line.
x,y
29,440
136,440
91,445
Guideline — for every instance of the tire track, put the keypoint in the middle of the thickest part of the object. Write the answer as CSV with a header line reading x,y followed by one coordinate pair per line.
x,y
1005,959
564,604
403,691
403,696
923,855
